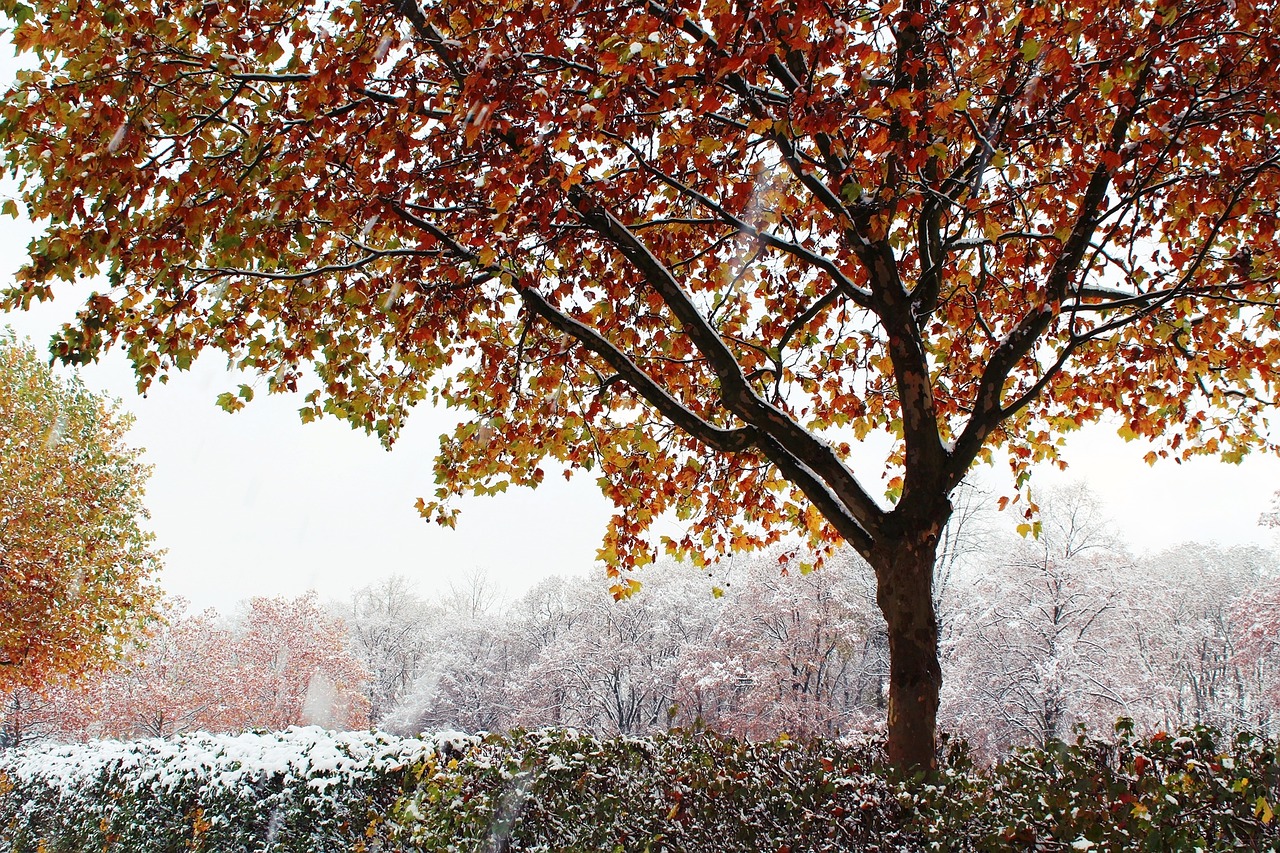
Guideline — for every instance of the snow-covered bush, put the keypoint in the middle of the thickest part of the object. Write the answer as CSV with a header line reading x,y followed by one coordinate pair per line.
x,y
699,793
302,789
306,791
565,790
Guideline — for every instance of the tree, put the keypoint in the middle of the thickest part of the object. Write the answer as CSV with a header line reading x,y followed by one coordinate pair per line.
x,y
284,663
700,249
615,668
77,571
390,625
1042,645
465,682
1252,697
800,653
1271,518
28,716
294,667
178,677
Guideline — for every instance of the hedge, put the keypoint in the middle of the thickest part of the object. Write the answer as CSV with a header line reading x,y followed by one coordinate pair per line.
x,y
562,790
303,790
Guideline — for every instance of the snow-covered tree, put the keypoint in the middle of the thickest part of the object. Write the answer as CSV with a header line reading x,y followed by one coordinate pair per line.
x,y
616,672
472,658
792,651
293,666
1201,636
282,662
179,678
390,627
1256,616
1033,650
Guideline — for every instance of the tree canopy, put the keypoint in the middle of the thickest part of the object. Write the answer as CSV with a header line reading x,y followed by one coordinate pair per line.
x,y
77,571
702,249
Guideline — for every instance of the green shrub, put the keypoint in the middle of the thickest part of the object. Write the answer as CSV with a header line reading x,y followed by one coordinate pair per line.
x,y
1190,791
562,790
565,791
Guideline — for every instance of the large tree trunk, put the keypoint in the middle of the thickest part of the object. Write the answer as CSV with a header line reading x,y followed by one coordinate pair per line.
x,y
904,575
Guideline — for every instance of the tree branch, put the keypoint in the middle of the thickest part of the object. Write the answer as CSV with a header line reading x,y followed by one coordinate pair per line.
x,y
736,393
718,438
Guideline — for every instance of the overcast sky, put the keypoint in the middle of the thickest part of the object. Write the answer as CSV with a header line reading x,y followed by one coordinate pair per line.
x,y
257,503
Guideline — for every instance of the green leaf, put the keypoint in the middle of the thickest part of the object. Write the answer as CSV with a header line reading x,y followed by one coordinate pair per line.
x,y
229,403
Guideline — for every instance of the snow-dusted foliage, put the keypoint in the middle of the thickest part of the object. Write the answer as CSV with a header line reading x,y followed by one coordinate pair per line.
x,y
390,633
802,652
302,789
1069,628
1040,634
307,791
1032,649
618,670
701,793
286,662
568,790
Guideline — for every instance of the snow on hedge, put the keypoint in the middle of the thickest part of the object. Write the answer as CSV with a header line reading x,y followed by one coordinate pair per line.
x,y
302,789
309,790
321,758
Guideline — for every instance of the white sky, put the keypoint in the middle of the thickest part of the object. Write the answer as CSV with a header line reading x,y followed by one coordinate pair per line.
x,y
258,504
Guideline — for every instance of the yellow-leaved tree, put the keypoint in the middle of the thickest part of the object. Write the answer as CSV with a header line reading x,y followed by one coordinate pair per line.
x,y
76,568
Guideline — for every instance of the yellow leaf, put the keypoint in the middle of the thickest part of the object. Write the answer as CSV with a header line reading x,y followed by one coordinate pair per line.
x,y
624,589
900,99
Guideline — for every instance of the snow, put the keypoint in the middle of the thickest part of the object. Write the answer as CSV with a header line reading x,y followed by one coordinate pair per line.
x,y
117,139
228,762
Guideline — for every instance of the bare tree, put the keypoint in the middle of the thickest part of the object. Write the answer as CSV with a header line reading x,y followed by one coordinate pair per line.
x,y
1034,648
390,629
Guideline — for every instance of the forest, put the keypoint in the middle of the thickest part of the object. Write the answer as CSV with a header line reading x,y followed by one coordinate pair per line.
x,y
1040,635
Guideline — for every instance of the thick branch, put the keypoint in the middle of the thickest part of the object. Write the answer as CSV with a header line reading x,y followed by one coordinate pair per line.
x,y
811,463
736,393
724,440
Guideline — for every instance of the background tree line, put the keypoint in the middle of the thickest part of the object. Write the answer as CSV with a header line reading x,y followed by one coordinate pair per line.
x,y
1038,635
